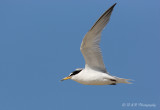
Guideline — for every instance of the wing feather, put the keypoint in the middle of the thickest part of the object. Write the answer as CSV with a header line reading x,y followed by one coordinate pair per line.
x,y
90,44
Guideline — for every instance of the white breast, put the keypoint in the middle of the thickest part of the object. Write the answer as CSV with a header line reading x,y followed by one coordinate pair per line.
x,y
92,77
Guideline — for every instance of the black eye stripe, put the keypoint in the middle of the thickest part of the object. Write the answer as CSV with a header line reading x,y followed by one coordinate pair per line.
x,y
75,72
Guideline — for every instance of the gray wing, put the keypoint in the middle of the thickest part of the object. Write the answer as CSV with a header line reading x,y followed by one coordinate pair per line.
x,y
90,44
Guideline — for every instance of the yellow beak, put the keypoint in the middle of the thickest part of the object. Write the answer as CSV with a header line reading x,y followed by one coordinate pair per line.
x,y
66,78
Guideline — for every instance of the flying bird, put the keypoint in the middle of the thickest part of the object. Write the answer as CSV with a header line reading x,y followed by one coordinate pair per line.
x,y
95,72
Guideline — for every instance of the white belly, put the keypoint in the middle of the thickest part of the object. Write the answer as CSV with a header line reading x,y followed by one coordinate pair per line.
x,y
92,77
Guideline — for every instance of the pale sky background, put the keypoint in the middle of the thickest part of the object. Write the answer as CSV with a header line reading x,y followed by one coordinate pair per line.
x,y
39,45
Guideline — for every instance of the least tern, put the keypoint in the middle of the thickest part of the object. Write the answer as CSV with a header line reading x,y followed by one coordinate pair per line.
x,y
95,72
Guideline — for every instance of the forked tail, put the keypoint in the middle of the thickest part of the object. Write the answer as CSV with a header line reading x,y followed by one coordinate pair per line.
x,y
122,80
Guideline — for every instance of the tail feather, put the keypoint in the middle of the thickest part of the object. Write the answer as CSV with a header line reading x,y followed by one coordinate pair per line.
x,y
122,80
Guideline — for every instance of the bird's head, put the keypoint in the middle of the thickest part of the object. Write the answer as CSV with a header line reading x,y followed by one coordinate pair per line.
x,y
78,70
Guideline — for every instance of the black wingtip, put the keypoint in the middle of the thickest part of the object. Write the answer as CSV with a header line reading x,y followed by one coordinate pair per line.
x,y
113,6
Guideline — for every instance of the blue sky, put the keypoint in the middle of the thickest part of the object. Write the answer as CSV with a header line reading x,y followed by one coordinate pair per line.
x,y
39,45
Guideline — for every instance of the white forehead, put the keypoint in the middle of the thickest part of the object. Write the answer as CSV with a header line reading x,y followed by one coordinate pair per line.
x,y
79,69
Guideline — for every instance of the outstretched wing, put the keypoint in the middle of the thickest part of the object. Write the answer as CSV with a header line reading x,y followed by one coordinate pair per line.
x,y
90,44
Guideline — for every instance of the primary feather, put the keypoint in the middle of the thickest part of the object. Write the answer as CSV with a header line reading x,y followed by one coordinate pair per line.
x,y
90,44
